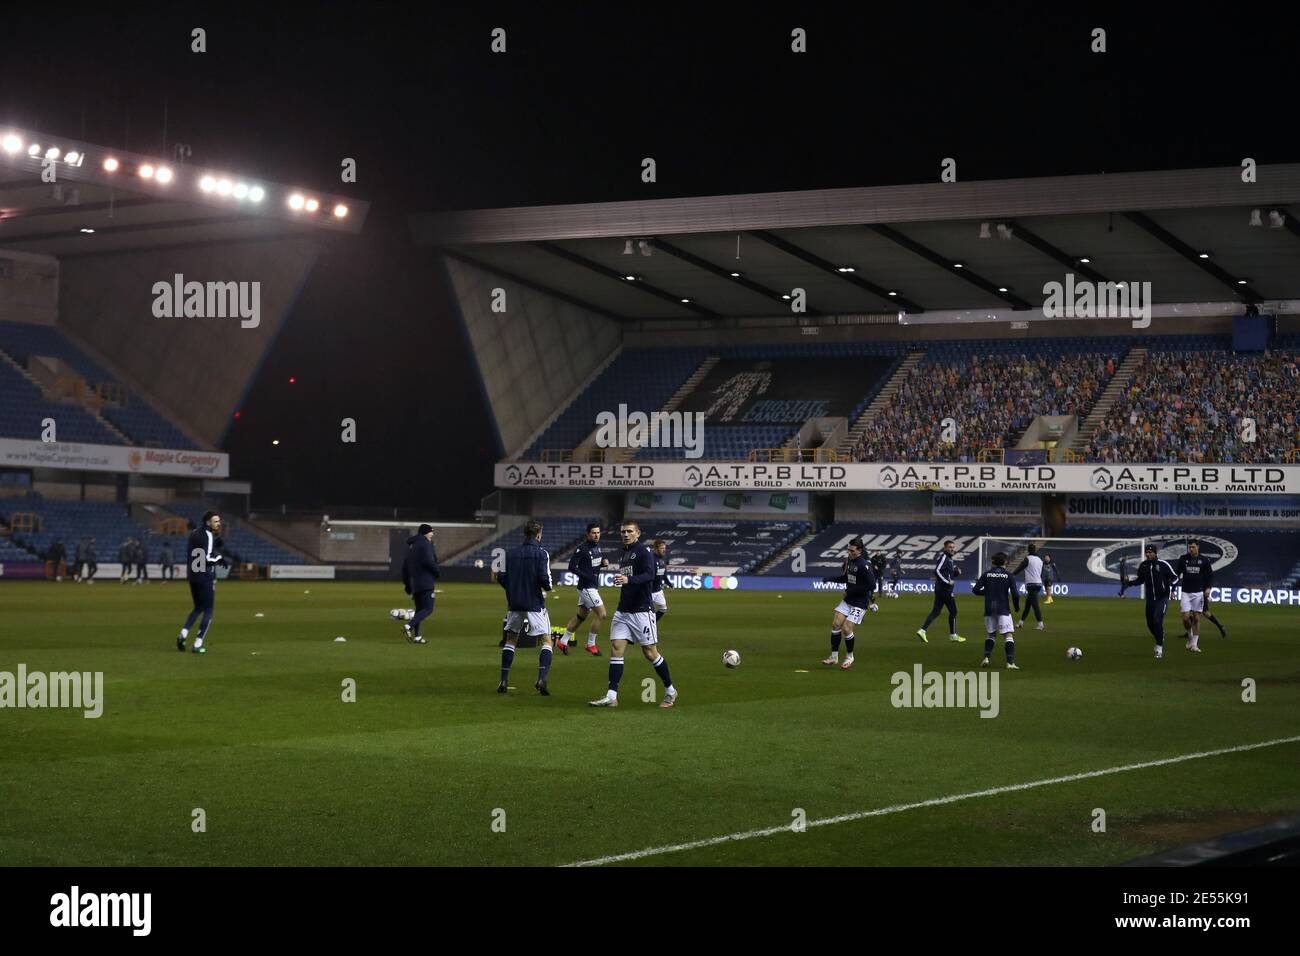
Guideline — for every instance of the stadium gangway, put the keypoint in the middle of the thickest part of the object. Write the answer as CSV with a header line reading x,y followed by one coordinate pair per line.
x,y
1292,456
796,455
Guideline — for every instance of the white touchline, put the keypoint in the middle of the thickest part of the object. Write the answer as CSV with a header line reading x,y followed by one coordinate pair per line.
x,y
935,802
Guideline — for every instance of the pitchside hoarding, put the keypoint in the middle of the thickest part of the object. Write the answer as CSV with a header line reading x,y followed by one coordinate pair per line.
x,y
754,476
76,456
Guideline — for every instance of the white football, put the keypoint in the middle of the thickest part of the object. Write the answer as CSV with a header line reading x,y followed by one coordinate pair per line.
x,y
731,658
400,614
1073,653
478,562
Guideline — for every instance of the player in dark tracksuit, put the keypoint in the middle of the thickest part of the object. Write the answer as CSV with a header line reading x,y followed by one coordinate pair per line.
x,y
419,577
202,555
526,579
125,556
878,570
1157,578
859,595
946,573
895,573
999,590
659,548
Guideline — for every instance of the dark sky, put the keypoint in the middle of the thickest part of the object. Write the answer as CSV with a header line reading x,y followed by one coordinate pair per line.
x,y
712,91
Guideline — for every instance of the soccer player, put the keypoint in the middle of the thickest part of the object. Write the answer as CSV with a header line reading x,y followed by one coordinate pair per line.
x,y
999,590
660,550
527,578
168,562
860,587
1032,566
946,573
78,560
419,577
895,571
204,554
92,561
586,563
633,623
125,555
878,561
1195,574
1051,575
1157,578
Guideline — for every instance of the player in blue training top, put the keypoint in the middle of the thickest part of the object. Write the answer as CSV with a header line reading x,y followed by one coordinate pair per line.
x,y
526,579
660,549
585,564
946,573
1195,575
634,622
860,587
999,590
1157,578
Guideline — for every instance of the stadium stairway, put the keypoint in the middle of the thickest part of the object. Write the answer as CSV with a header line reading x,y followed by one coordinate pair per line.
x,y
782,553
622,455
120,436
1114,389
865,420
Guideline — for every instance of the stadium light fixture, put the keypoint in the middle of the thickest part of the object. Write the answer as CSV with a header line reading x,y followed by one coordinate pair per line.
x,y
846,269
240,191
11,143
1255,219
73,158
1202,255
956,265
110,165
224,187
296,201
630,278
984,231
735,275
255,193
643,246
88,232
53,153
340,211
207,184
893,292
686,301
312,205
1275,219
1004,231
785,295
164,175
627,247
1242,281
1083,260
275,441
1003,288
33,150
146,171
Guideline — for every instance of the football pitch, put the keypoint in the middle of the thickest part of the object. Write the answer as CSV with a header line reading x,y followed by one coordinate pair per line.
x,y
429,766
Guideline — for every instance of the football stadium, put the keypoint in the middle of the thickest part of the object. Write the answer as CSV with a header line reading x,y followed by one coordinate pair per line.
x,y
345,527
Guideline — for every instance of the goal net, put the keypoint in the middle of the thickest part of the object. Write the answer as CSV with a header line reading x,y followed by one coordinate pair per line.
x,y
1075,560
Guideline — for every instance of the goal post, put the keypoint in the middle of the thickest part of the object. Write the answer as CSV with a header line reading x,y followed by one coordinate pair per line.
x,y
1075,559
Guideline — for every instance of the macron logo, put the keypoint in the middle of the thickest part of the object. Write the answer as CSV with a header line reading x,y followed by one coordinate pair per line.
x,y
103,909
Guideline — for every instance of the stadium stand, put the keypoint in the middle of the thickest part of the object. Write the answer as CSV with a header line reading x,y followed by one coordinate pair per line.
x,y
105,521
994,389
738,545
559,535
25,407
722,442
136,419
1187,398
1255,557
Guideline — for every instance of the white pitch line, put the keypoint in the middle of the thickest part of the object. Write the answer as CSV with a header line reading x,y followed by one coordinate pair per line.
x,y
935,802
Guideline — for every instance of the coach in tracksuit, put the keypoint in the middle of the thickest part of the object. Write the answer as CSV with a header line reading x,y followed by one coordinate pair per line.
x,y
1157,577
999,590
527,578
946,573
1032,566
419,575
203,554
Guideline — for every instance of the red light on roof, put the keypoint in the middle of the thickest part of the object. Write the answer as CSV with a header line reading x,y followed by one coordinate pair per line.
x,y
293,380
237,414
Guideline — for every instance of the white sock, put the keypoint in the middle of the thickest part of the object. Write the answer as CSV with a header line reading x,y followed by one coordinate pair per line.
x,y
198,642
568,636
591,642
185,632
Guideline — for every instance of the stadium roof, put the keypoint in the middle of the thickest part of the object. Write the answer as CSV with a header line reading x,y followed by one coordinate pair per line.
x,y
112,200
936,246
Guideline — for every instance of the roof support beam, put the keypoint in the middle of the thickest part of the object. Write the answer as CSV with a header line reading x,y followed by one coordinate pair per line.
x,y
911,245
852,278
1151,227
558,250
1072,263
722,272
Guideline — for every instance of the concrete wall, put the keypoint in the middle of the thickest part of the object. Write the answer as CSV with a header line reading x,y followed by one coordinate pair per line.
x,y
196,369
533,356
29,288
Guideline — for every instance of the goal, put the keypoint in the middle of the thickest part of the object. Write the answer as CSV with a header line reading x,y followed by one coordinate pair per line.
x,y
1076,560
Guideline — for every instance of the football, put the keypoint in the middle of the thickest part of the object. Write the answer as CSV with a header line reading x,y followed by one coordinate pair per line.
x,y
731,658
1073,653
401,614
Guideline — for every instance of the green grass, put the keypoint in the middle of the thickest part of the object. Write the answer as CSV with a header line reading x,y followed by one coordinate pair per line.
x,y
257,735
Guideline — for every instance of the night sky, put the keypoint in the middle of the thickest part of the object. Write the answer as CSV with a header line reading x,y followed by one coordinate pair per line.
x,y
436,121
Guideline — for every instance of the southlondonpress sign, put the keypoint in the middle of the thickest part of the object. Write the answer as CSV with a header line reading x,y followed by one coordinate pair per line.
x,y
902,476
